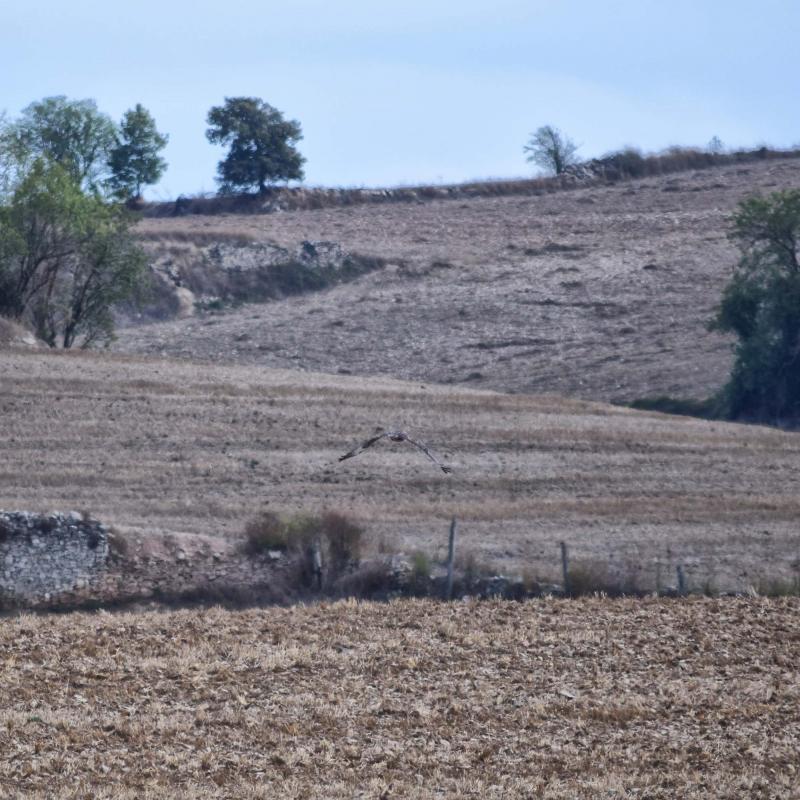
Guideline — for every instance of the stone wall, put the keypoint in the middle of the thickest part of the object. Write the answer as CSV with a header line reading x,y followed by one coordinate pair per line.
x,y
65,560
45,558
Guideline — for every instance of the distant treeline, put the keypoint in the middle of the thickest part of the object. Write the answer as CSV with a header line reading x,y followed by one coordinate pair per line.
x,y
625,164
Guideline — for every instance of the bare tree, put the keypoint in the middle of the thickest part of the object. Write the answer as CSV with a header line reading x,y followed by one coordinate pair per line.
x,y
551,149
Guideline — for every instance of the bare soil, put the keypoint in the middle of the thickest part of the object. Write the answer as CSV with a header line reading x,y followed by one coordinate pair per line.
x,y
546,699
602,293
170,448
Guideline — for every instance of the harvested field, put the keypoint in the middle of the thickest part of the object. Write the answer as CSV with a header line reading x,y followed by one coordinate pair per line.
x,y
547,699
602,292
160,447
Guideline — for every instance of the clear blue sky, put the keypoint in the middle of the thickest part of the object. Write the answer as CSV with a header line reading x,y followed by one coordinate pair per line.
x,y
418,91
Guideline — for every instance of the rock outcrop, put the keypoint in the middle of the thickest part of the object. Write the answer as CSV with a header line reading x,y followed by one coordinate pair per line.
x,y
209,278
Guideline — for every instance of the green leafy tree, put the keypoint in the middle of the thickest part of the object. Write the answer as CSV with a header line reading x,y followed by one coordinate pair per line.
x,y
261,144
71,133
550,149
134,160
66,257
761,306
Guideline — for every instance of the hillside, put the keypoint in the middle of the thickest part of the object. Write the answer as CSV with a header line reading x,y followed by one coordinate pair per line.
x,y
601,293
169,448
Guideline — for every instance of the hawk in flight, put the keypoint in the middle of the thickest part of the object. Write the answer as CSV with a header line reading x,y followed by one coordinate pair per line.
x,y
396,436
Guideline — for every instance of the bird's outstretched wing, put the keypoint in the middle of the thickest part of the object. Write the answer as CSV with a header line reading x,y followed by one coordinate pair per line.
x,y
430,455
396,436
362,447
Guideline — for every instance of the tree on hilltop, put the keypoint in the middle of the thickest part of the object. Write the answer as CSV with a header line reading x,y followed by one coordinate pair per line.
x,y
550,149
134,160
261,144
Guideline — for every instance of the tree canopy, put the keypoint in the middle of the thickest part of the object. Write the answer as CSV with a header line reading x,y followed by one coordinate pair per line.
x,y
261,144
134,159
550,149
761,306
66,257
71,133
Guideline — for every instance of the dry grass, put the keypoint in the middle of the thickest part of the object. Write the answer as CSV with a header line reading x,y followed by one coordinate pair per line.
x,y
162,447
415,699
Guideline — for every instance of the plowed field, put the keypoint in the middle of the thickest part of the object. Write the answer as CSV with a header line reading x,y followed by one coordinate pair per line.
x,y
547,699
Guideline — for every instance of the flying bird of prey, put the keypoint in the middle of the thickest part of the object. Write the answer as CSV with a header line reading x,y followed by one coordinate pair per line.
x,y
396,436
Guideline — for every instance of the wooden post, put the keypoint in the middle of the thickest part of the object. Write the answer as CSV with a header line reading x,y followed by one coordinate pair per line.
x,y
565,566
451,556
681,580
316,562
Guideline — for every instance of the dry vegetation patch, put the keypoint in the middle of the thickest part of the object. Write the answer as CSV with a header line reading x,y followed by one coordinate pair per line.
x,y
414,699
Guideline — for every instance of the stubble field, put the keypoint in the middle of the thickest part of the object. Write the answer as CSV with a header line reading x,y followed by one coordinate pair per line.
x,y
165,448
545,699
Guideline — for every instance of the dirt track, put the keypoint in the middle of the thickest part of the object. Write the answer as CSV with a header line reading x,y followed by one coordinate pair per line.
x,y
601,293
164,447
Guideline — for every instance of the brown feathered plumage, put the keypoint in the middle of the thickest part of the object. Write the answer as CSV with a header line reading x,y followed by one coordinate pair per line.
x,y
396,436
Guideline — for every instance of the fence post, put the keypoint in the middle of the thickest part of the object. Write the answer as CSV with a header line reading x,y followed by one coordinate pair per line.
x,y
451,556
565,566
681,580
315,551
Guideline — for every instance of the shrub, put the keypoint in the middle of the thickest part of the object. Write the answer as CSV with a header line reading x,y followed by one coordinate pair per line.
x,y
420,571
266,532
705,409
343,537
627,163
330,542
374,579
594,578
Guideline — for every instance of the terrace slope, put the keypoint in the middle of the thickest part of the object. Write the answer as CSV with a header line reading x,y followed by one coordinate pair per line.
x,y
602,292
170,448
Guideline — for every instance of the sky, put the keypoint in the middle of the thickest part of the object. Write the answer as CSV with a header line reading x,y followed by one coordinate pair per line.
x,y
419,91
